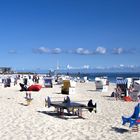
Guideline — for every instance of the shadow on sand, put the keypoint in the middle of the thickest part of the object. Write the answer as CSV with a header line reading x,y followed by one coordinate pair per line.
x,y
57,93
119,130
23,104
107,97
65,116
93,90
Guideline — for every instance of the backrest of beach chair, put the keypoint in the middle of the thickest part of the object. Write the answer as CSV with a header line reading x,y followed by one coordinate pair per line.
x,y
136,111
66,84
48,82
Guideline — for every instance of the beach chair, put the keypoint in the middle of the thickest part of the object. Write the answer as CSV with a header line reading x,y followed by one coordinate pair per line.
x,y
65,87
68,87
134,119
99,85
121,86
48,82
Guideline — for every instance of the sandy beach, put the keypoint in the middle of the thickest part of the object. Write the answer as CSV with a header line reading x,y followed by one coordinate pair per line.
x,y
34,122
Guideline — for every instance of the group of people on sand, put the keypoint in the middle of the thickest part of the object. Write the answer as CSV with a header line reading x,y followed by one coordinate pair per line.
x,y
118,93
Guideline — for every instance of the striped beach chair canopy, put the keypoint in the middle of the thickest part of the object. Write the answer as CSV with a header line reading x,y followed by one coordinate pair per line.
x,y
121,81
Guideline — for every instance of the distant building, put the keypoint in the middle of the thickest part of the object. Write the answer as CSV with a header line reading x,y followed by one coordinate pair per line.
x,y
5,70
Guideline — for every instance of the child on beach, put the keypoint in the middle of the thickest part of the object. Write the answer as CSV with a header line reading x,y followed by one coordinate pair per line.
x,y
28,95
28,98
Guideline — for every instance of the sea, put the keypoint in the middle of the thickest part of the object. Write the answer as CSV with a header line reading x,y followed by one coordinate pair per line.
x,y
111,76
91,75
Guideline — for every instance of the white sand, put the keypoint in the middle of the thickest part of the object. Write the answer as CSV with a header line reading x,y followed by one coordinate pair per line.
x,y
20,122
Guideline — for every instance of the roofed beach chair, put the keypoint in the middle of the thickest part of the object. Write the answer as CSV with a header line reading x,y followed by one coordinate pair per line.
x,y
68,87
65,87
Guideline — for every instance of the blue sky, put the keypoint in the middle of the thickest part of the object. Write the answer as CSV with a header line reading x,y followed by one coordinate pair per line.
x,y
75,33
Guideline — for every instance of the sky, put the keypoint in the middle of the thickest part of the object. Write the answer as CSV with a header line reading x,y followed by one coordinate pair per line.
x,y
41,34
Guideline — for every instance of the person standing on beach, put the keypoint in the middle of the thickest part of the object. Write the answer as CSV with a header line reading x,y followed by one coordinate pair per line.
x,y
28,95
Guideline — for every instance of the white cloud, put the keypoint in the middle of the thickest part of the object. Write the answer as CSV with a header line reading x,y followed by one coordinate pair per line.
x,y
132,66
41,50
122,65
79,50
118,50
86,66
100,50
69,51
131,50
56,50
86,52
83,51
47,50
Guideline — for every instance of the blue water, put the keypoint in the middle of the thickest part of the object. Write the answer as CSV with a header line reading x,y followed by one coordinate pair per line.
x,y
91,75
111,76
